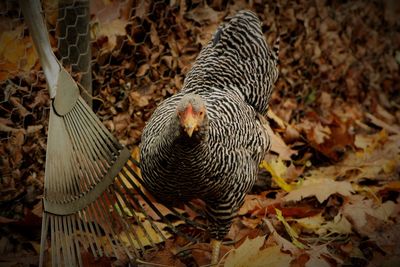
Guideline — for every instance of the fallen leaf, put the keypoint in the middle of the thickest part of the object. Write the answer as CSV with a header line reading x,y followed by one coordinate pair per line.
x,y
321,188
285,244
249,254
358,209
292,233
110,30
277,168
278,145
204,14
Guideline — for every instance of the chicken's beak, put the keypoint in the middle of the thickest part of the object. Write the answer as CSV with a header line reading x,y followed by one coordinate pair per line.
x,y
190,124
190,121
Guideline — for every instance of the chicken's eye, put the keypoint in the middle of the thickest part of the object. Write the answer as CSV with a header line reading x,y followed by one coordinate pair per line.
x,y
201,113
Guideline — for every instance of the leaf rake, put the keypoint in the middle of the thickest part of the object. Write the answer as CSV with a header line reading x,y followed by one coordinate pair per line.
x,y
91,191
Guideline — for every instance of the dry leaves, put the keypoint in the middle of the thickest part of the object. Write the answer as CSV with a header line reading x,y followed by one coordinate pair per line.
x,y
334,122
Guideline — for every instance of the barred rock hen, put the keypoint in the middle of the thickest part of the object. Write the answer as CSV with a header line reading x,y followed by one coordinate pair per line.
x,y
207,141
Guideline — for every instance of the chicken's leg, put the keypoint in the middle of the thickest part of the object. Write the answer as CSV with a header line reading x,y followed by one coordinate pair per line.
x,y
215,246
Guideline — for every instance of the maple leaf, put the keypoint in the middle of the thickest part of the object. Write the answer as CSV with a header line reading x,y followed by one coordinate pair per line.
x,y
249,254
360,210
320,188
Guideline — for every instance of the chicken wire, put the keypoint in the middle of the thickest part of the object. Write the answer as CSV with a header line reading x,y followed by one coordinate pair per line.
x,y
133,54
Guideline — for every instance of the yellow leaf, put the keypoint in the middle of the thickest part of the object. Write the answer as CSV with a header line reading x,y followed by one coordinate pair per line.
x,y
141,236
292,233
311,223
276,169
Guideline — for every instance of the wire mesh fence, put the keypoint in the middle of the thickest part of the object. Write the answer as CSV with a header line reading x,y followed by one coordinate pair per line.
x,y
132,53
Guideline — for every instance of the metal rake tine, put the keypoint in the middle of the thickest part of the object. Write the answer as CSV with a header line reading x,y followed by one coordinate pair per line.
x,y
98,215
66,236
61,236
94,152
108,219
185,219
88,148
132,210
96,249
52,237
122,174
100,151
74,245
74,219
88,153
90,171
120,219
95,133
95,229
117,200
43,238
79,161
195,209
57,239
104,131
86,232
70,180
149,202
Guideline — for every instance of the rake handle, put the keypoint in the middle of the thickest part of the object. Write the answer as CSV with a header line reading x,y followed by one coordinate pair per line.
x,y
33,16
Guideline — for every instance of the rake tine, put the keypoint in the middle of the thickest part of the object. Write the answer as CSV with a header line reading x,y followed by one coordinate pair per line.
x,y
122,174
86,232
91,171
87,135
99,145
57,240
74,220
71,238
66,236
106,216
126,226
43,238
118,199
97,214
95,231
195,209
89,146
95,133
148,201
132,210
61,242
93,241
104,131
53,245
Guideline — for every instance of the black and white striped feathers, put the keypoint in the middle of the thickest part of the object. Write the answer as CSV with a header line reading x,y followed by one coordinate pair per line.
x,y
230,82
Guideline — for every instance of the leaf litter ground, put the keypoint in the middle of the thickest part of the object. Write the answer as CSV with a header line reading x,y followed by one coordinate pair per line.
x,y
328,193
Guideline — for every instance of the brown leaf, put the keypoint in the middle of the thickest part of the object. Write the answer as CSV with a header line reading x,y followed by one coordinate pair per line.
x,y
111,30
204,15
321,188
249,254
278,145
358,210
